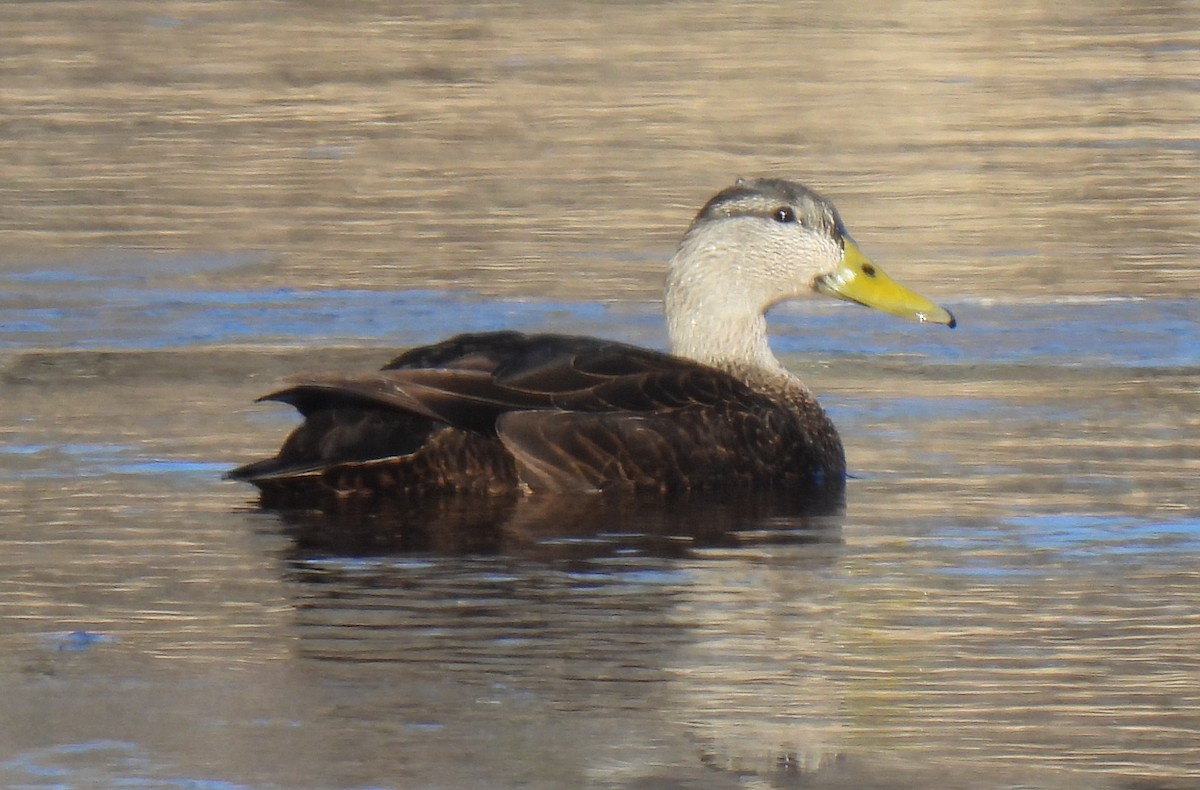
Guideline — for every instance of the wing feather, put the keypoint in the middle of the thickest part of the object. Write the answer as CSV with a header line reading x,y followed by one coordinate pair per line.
x,y
556,412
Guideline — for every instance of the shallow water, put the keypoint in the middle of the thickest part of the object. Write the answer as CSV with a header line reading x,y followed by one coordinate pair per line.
x,y
202,198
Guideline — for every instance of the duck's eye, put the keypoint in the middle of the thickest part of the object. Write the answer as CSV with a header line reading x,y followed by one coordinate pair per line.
x,y
784,214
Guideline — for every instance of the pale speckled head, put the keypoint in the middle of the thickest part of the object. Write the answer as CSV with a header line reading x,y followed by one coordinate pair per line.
x,y
755,244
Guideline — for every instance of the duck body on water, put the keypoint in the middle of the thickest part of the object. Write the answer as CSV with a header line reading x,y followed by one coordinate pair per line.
x,y
505,413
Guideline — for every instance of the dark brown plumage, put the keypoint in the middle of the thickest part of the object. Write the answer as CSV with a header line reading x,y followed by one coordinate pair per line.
x,y
488,413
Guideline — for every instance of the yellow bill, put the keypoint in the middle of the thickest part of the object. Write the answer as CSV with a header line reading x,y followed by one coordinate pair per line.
x,y
859,280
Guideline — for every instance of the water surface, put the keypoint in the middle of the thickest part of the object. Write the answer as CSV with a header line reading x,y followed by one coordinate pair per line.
x,y
202,198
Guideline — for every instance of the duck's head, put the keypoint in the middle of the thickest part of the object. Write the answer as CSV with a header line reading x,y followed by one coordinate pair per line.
x,y
761,242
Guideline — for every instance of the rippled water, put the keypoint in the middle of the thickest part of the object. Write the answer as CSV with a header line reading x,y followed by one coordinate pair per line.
x,y
201,198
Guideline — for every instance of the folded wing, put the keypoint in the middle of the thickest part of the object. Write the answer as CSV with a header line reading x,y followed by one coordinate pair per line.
x,y
496,411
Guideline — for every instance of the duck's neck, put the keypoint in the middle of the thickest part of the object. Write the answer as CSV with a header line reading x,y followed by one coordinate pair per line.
x,y
714,314
725,339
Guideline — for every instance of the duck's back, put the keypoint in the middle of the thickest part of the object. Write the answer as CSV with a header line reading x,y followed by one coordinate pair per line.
x,y
499,412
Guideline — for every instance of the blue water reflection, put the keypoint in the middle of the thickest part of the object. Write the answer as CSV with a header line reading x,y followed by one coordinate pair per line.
x,y
1039,540
118,310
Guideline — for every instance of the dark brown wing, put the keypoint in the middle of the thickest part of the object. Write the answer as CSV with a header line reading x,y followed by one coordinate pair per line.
x,y
553,412
738,444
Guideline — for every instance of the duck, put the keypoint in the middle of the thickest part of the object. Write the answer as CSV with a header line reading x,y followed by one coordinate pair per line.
x,y
506,413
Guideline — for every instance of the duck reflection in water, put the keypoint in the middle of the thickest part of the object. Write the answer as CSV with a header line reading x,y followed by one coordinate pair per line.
x,y
473,429
554,527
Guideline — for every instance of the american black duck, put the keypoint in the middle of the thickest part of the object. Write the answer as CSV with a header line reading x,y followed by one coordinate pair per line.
x,y
504,412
